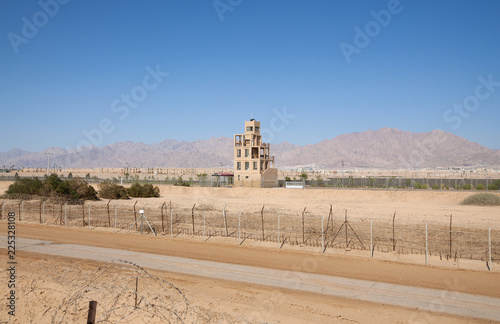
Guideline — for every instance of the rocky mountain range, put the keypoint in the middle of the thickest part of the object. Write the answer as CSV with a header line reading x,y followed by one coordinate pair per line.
x,y
383,148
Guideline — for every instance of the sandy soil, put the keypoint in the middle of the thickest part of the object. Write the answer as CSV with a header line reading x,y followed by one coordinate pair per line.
x,y
410,206
237,300
47,283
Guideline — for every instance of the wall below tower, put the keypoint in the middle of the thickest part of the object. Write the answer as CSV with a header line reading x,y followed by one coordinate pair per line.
x,y
268,179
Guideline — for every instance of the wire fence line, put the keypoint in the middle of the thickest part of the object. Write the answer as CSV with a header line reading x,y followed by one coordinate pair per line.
x,y
305,229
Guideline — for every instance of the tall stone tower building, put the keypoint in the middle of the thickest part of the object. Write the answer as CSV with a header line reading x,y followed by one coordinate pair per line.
x,y
253,164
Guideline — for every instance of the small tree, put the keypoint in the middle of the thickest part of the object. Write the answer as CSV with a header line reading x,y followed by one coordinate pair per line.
x,y
303,176
202,178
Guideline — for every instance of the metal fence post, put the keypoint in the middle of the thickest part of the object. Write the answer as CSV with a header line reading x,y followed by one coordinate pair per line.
x,y
322,236
171,232
371,237
279,230
89,215
43,212
22,211
65,213
489,246
426,246
204,225
239,228
116,212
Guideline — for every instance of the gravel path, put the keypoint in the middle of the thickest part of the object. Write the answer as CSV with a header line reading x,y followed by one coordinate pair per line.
x,y
441,301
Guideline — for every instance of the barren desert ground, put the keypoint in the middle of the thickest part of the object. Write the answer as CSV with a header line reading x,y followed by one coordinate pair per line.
x,y
47,282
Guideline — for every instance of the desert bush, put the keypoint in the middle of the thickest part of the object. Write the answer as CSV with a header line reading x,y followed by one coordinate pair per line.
x,y
480,187
435,186
419,185
52,186
144,191
467,187
492,187
108,190
25,186
482,199
180,182
80,189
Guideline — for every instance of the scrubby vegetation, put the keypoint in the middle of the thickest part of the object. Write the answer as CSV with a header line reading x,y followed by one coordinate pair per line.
x,y
52,187
108,190
181,182
482,199
143,191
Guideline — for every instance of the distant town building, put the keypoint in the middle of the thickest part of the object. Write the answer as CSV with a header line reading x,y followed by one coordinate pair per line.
x,y
253,164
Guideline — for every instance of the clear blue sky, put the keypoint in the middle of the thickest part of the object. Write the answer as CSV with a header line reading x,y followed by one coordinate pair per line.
x,y
230,60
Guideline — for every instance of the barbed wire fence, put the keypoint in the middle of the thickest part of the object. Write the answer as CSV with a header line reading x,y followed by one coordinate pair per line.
x,y
260,223
125,292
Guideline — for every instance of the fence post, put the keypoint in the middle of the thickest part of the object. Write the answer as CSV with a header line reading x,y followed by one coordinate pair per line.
x,y
239,228
43,212
22,211
225,219
89,215
92,312
279,231
426,246
65,213
204,225
171,232
489,247
451,217
371,237
322,236
116,211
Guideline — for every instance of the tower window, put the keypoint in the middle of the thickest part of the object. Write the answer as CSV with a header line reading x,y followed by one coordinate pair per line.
x,y
247,165
246,152
249,128
255,165
238,153
238,165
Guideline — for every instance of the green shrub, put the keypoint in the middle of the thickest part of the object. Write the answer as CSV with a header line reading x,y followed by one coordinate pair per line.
x,y
492,187
419,185
467,187
53,186
108,190
181,182
25,186
144,191
482,199
435,186
80,189
480,187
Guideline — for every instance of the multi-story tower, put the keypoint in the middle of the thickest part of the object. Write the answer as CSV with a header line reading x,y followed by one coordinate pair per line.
x,y
253,165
